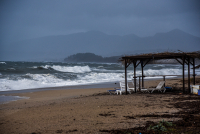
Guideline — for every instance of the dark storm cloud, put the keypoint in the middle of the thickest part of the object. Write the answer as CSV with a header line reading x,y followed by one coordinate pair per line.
x,y
23,19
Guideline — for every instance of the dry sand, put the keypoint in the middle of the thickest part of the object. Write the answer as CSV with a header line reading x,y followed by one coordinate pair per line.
x,y
85,110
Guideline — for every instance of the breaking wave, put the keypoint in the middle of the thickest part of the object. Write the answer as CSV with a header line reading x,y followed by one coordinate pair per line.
x,y
74,69
29,75
2,62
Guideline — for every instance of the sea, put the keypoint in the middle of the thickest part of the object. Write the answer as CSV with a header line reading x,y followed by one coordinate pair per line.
x,y
33,75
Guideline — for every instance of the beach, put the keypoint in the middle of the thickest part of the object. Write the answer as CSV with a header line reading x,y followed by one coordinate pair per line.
x,y
93,110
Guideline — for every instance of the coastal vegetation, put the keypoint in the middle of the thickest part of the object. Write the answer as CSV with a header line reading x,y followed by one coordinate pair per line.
x,y
91,57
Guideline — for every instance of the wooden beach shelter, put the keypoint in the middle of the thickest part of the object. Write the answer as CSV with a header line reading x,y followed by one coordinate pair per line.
x,y
167,57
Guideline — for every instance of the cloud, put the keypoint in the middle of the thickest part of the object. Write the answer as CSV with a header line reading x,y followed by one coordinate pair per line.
x,y
29,19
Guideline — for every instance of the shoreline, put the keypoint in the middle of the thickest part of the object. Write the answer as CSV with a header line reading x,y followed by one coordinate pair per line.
x,y
91,110
83,86
11,94
113,84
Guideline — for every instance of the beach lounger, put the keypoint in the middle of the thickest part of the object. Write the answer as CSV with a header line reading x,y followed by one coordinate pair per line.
x,y
112,91
144,90
123,88
137,85
168,88
160,87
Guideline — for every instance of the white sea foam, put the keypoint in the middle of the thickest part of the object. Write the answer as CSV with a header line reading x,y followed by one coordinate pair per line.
x,y
11,69
2,62
33,67
153,73
159,65
162,72
74,69
37,81
5,99
44,67
85,75
71,69
49,80
101,77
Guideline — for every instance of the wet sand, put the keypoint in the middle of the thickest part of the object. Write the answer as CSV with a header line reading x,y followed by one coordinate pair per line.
x,y
90,110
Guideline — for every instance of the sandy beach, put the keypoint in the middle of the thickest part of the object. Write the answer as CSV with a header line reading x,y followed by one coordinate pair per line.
x,y
95,111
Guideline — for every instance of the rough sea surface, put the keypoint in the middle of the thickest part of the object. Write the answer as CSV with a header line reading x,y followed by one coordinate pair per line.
x,y
29,75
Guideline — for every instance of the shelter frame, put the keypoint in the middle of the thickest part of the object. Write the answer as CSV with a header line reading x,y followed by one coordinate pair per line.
x,y
143,60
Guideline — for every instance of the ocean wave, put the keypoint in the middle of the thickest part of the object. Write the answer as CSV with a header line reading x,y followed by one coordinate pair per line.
x,y
150,72
106,70
10,69
2,62
163,72
74,69
41,67
50,80
100,67
159,65
101,77
77,74
36,81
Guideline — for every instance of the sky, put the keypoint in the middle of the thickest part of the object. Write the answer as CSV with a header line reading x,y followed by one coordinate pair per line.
x,y
26,19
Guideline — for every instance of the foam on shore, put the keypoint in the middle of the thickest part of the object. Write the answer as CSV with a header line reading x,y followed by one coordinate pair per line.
x,y
5,99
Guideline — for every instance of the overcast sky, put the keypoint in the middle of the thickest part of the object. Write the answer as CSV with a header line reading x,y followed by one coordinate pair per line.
x,y
25,19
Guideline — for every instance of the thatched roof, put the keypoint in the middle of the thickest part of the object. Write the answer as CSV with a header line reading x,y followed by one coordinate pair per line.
x,y
164,57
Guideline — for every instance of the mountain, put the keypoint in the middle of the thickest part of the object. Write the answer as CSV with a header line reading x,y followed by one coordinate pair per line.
x,y
52,47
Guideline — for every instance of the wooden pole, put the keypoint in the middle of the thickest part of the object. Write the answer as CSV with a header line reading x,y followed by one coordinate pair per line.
x,y
134,64
126,76
139,84
189,74
183,74
164,80
142,74
193,71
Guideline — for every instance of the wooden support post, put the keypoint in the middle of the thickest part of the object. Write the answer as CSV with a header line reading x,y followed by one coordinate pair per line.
x,y
134,64
193,71
126,76
139,84
142,74
183,74
189,74
164,80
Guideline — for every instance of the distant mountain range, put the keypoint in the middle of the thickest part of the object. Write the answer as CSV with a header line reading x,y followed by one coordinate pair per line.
x,y
58,47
